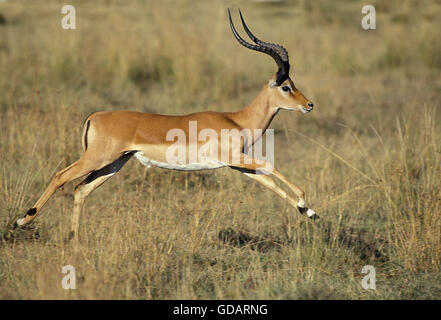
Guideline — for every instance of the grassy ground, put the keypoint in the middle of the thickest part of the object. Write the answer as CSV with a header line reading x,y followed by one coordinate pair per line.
x,y
368,156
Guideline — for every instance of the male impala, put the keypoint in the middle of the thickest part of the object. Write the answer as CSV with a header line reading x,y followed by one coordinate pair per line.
x,y
111,138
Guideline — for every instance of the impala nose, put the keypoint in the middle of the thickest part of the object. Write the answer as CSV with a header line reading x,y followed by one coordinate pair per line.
x,y
310,105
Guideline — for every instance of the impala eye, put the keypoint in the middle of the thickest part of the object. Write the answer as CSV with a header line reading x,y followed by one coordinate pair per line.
x,y
286,88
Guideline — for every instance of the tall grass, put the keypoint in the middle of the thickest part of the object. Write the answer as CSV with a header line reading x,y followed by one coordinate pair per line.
x,y
368,156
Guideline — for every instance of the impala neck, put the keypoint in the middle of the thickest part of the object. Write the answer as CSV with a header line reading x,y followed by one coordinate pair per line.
x,y
258,114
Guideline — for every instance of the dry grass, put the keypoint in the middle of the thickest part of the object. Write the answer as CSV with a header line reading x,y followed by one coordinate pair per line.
x,y
368,156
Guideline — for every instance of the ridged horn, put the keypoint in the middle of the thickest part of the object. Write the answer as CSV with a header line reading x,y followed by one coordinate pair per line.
x,y
276,51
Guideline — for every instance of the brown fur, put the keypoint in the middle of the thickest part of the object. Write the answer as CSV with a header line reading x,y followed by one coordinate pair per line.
x,y
113,137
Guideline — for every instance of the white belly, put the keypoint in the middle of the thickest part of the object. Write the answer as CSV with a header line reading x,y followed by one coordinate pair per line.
x,y
208,164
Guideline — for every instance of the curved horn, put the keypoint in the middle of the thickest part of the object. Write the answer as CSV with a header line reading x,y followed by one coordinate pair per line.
x,y
280,50
277,52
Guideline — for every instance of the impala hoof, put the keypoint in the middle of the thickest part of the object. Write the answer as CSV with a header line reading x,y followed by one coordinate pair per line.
x,y
312,215
18,223
315,217
309,212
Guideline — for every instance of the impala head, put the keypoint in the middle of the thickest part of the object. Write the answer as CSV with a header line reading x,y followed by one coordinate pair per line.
x,y
282,92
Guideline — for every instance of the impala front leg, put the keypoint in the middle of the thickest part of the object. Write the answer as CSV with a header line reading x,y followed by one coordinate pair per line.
x,y
299,192
262,172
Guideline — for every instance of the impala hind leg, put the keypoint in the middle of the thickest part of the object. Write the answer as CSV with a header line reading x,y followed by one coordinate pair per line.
x,y
93,181
76,170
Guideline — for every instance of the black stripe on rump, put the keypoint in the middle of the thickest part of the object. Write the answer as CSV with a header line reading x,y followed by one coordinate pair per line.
x,y
85,135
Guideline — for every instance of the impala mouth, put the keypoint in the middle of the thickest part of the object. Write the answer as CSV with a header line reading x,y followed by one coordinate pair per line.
x,y
305,110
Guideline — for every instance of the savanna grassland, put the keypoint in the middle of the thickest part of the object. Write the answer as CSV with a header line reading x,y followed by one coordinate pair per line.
x,y
368,156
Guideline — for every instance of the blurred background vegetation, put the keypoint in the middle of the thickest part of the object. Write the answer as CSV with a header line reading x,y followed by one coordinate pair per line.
x,y
368,156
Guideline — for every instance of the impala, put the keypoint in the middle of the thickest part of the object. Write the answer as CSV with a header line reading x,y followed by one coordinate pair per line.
x,y
111,138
